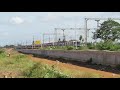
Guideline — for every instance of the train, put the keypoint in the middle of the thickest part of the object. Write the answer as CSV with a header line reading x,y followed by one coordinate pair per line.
x,y
59,43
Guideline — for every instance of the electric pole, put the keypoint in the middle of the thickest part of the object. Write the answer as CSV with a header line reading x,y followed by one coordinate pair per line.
x,y
33,43
86,31
26,44
49,37
63,29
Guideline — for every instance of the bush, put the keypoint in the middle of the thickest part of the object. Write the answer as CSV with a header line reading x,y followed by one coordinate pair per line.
x,y
108,45
2,51
70,48
90,46
20,56
115,47
43,71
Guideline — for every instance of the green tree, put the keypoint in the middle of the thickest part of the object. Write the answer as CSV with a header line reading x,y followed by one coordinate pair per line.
x,y
80,38
59,40
109,30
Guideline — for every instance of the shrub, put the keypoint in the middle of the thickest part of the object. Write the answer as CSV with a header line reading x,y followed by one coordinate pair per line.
x,y
115,47
2,51
107,45
70,48
43,71
80,48
20,56
90,46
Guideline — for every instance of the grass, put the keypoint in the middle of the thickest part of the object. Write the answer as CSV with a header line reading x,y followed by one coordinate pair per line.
x,y
19,66
44,71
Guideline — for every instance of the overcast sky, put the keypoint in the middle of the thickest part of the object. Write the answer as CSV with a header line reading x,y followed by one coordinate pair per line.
x,y
17,27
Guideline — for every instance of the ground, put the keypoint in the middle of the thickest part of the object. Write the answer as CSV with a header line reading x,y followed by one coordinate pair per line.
x,y
68,66
65,67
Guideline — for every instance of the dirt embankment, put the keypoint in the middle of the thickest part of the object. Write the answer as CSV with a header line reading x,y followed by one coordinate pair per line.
x,y
61,66
69,66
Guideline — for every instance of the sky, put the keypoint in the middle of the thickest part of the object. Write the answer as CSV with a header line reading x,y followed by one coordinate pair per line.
x,y
20,27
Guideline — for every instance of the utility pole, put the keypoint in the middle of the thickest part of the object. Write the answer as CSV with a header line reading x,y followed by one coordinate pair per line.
x,y
26,44
86,31
76,40
63,36
97,29
40,41
33,43
63,29
49,37
43,40
55,40
85,28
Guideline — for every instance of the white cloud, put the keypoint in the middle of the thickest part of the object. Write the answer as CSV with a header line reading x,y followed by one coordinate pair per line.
x,y
16,20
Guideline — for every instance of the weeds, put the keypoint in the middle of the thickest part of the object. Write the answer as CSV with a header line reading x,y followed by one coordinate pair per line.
x,y
22,67
27,68
43,71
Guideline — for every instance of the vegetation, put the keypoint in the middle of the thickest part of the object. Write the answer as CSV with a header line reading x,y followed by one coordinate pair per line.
x,y
109,33
44,71
70,47
108,45
109,30
20,66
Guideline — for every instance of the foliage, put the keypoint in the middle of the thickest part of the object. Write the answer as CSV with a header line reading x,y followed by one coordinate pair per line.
x,y
70,47
43,71
25,68
109,30
80,38
104,45
108,45
90,46
1,51
20,66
